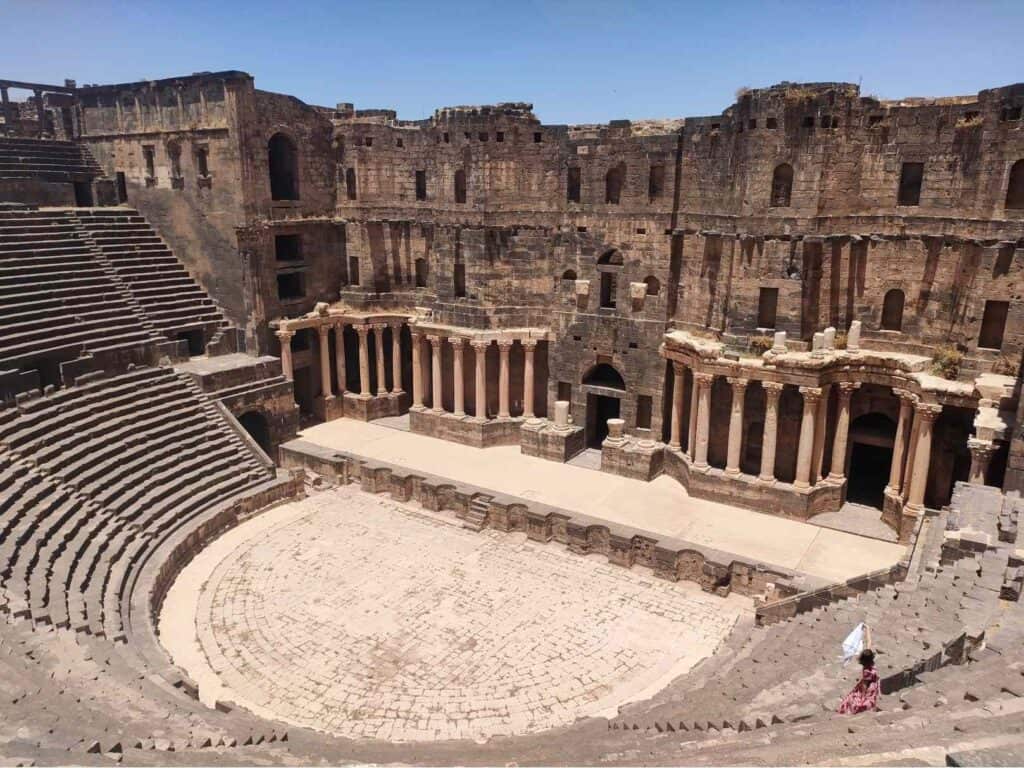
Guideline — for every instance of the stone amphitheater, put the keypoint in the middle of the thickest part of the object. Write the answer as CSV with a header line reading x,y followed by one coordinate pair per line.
x,y
328,436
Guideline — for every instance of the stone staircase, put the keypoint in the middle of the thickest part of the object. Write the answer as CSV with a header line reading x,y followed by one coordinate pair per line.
x,y
46,160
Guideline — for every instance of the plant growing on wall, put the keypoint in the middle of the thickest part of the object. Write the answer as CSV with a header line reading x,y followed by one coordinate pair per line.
x,y
946,362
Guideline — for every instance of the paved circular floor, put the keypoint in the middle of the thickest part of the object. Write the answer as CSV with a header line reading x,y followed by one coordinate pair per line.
x,y
354,614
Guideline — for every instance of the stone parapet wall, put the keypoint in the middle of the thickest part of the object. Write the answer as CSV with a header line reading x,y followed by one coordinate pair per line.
x,y
466,430
670,559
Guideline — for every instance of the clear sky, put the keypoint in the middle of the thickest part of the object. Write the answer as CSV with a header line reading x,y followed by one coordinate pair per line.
x,y
577,61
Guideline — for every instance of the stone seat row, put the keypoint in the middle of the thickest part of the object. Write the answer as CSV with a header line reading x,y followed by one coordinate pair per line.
x,y
791,671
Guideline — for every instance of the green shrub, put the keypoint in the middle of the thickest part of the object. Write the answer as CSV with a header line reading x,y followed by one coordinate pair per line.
x,y
946,362
761,344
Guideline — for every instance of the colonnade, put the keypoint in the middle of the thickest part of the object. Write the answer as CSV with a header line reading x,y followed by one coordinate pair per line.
x,y
363,332
480,347
911,451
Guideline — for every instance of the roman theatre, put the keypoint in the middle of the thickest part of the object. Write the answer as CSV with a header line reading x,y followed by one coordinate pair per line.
x,y
332,436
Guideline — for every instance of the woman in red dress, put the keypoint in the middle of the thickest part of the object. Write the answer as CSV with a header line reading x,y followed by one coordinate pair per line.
x,y
864,696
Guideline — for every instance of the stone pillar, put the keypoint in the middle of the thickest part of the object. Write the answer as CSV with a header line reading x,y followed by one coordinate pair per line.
x,y
382,382
562,414
396,359
739,390
691,441
417,370
529,347
674,440
981,455
364,361
435,366
460,398
504,345
772,392
908,467
339,355
838,471
325,361
899,446
703,382
820,428
927,413
812,396
286,353
480,350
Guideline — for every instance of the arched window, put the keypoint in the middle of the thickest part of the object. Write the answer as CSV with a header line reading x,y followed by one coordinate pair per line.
x,y
653,286
892,310
610,258
782,185
569,274
613,181
1015,189
609,265
350,183
421,273
460,186
284,168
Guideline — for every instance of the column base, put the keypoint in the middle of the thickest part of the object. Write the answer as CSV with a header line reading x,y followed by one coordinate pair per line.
x,y
732,471
366,408
541,438
629,458
465,430
329,408
767,479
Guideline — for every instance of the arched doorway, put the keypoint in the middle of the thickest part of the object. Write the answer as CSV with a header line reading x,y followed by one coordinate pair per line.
x,y
605,387
255,423
871,442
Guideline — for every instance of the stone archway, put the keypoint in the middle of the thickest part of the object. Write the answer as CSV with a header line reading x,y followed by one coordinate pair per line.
x,y
605,388
255,423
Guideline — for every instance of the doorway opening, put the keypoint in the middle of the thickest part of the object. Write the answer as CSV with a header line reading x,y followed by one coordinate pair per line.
x,y
871,437
600,408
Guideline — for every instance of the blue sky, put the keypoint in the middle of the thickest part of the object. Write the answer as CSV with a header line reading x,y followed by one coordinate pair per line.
x,y
575,61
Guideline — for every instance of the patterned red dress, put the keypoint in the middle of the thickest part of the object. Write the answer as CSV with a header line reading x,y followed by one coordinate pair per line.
x,y
864,696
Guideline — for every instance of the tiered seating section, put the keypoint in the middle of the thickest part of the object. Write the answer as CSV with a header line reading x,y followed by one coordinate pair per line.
x,y
166,294
80,280
56,298
948,646
47,160
92,479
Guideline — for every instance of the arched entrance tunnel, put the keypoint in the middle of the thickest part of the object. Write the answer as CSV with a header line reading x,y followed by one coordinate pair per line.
x,y
255,423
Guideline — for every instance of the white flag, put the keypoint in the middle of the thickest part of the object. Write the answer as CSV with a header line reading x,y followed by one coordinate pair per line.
x,y
854,643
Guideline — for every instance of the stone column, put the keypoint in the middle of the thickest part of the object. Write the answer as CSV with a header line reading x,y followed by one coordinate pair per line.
x,y
981,455
382,382
908,468
364,361
838,471
325,361
772,392
691,442
435,366
504,346
674,440
417,370
529,347
927,413
703,382
820,428
480,351
339,355
286,353
899,447
460,399
396,359
812,396
739,390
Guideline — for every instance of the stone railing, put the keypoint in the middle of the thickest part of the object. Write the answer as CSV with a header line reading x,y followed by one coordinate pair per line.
x,y
671,559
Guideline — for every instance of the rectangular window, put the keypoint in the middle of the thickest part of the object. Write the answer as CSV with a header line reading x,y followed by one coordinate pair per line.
x,y
537,137
993,324
608,290
572,189
290,286
771,123
499,136
565,391
149,155
459,280
288,247
643,412
656,181
447,138
353,270
483,135
203,161
421,185
767,307
911,177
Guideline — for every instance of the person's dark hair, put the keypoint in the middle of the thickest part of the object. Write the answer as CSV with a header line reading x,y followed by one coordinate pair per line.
x,y
867,658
